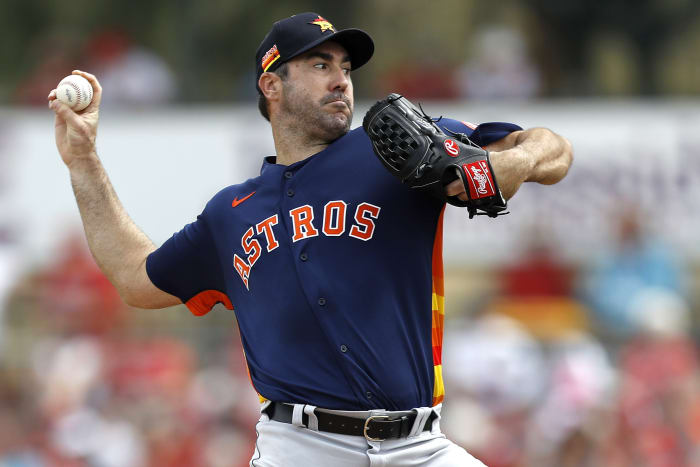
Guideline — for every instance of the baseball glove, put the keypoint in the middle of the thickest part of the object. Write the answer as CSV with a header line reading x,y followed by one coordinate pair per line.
x,y
414,149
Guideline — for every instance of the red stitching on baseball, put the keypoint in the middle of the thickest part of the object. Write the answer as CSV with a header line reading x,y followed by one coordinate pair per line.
x,y
76,89
79,94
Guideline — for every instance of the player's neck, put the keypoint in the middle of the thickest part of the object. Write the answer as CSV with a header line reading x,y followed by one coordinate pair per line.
x,y
292,145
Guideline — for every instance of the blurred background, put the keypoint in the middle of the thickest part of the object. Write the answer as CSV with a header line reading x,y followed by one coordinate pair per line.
x,y
572,323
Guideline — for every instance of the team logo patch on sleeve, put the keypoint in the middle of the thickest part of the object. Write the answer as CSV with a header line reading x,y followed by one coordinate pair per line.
x,y
480,180
270,57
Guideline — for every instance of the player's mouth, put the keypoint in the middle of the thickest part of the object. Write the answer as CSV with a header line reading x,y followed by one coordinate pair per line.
x,y
337,101
339,104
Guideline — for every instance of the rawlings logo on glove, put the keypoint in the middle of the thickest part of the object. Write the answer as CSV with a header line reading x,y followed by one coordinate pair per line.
x,y
414,149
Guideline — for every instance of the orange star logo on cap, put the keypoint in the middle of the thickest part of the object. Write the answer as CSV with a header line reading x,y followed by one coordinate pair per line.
x,y
323,23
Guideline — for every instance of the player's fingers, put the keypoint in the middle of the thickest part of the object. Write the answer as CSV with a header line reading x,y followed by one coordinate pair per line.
x,y
455,188
52,95
458,192
65,113
96,89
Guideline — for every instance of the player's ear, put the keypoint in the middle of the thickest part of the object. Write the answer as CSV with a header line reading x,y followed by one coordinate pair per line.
x,y
271,85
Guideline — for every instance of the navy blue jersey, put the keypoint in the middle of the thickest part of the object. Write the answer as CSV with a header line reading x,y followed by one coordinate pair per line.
x,y
334,271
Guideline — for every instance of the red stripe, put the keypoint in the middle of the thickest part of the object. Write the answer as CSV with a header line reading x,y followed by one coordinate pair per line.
x,y
437,355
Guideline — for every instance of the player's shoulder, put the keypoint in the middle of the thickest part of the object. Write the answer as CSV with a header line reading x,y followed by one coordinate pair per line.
x,y
224,197
482,133
457,126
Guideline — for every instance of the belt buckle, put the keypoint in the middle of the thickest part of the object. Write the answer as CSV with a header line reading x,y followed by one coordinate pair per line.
x,y
366,427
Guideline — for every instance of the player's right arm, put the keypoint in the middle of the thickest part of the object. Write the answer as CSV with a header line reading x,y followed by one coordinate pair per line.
x,y
119,247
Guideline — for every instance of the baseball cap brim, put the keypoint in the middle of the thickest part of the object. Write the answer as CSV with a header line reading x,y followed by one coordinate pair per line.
x,y
357,42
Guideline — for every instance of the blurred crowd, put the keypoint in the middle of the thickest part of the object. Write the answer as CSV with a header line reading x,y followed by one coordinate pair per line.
x,y
595,365
84,380
453,49
555,364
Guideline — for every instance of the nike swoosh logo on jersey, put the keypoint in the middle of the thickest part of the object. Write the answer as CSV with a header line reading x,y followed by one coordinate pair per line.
x,y
237,201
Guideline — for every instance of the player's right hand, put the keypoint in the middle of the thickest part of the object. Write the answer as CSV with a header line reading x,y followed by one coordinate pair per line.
x,y
76,131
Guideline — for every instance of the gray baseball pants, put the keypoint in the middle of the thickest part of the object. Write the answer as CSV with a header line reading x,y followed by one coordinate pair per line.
x,y
293,445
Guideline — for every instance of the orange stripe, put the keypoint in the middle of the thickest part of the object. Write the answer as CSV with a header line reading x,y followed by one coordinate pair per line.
x,y
438,312
203,302
270,60
438,273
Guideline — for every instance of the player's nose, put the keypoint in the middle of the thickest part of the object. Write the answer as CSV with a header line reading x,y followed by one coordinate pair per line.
x,y
340,79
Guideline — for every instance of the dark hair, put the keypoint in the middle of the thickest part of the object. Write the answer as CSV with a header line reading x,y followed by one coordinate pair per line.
x,y
283,72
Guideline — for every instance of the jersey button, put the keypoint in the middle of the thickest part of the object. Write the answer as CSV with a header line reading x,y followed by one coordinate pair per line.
x,y
290,192
321,301
343,348
304,257
368,394
288,175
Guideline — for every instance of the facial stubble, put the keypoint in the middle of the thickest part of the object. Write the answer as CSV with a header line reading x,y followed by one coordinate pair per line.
x,y
309,117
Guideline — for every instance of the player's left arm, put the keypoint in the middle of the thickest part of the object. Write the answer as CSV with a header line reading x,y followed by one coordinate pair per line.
x,y
532,155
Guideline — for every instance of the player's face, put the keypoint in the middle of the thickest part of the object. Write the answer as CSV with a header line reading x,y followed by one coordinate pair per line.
x,y
318,92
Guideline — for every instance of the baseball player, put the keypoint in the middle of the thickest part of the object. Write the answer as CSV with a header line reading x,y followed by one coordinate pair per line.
x,y
332,266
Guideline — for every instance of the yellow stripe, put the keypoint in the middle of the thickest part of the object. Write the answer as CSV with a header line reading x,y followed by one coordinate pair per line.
x,y
270,64
439,303
439,388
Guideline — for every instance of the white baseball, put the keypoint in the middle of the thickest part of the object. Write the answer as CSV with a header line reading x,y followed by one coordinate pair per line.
x,y
74,91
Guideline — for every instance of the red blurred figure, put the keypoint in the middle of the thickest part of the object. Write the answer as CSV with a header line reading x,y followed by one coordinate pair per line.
x,y
538,273
76,291
659,388
537,290
423,81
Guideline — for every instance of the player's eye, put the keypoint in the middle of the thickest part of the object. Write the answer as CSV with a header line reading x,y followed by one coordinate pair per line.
x,y
321,66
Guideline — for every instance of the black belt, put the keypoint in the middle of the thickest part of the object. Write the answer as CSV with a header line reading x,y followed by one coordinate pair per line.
x,y
374,428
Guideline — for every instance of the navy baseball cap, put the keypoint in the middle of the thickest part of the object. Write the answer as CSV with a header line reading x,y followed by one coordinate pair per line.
x,y
297,34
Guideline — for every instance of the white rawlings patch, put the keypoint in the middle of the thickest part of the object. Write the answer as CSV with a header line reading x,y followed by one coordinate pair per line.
x,y
480,182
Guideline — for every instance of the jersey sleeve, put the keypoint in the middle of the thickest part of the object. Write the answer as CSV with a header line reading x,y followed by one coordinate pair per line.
x,y
482,134
187,266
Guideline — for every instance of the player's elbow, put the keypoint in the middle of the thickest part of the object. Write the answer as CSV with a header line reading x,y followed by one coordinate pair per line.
x,y
148,299
566,158
135,287
133,300
131,296
138,291
559,166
